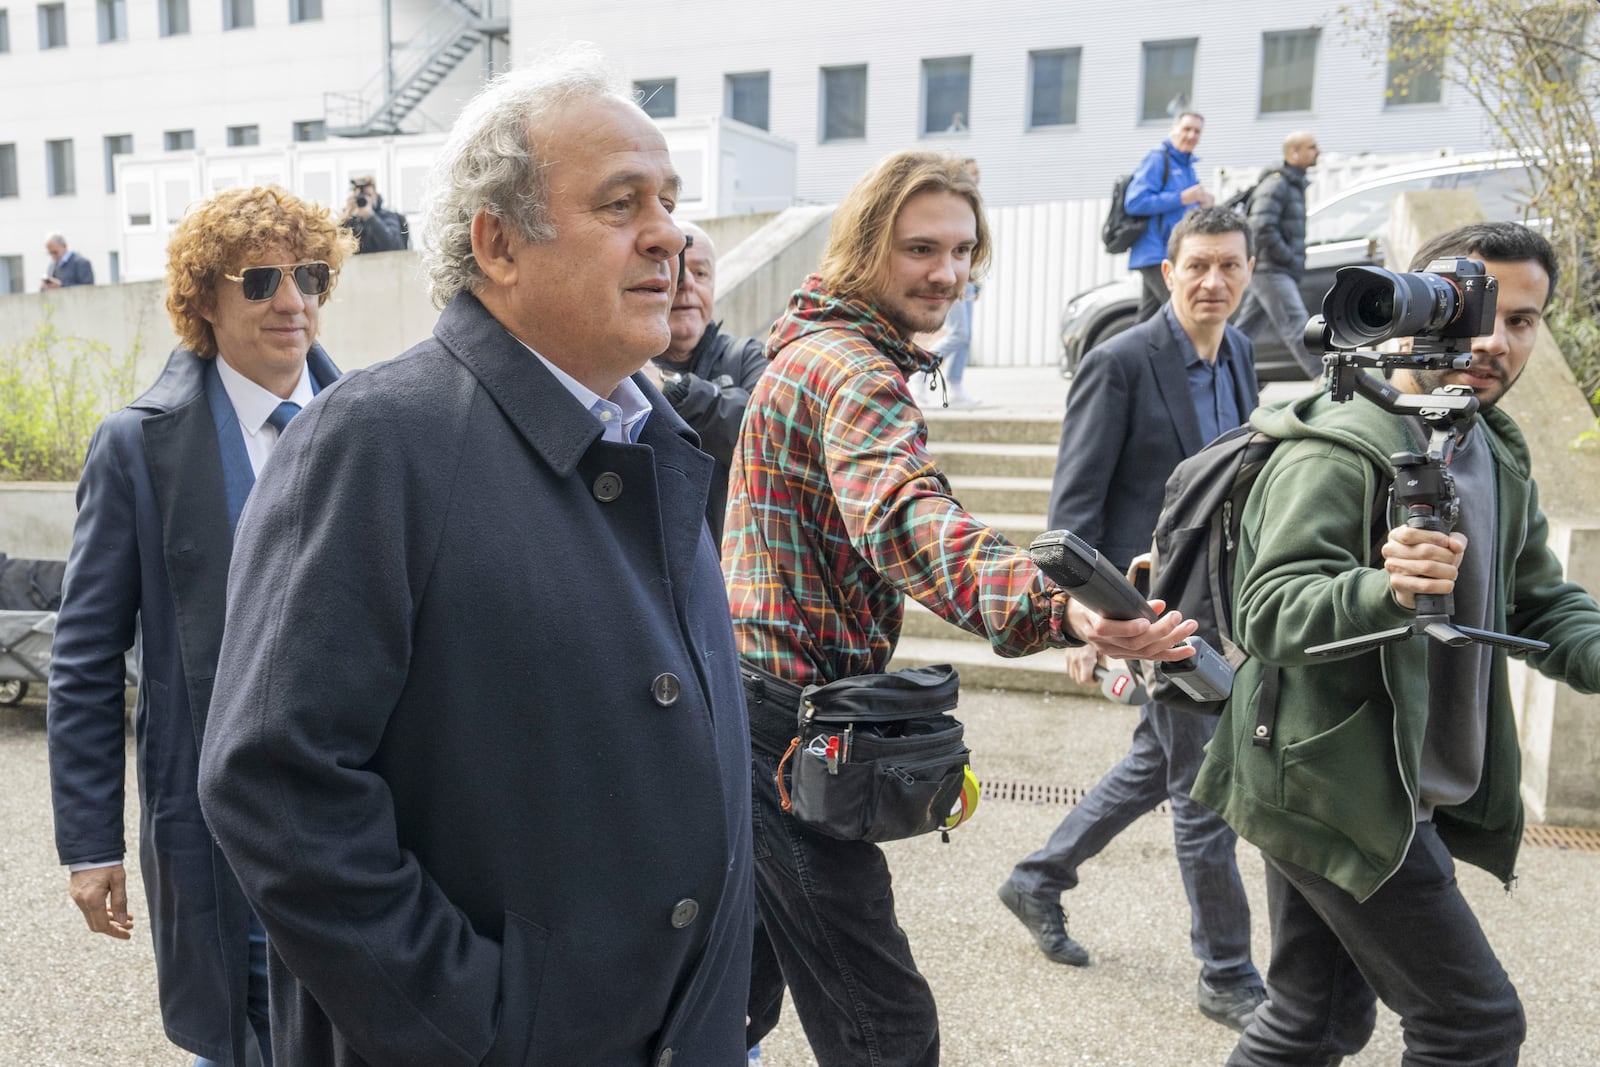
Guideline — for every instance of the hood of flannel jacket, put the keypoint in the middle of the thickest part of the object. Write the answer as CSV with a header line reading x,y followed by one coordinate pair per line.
x,y
812,309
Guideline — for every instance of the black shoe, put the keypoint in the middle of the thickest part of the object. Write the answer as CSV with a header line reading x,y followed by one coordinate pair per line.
x,y
1231,1007
1046,922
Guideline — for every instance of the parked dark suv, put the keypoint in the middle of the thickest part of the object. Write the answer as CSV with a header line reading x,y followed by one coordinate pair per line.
x,y
1346,230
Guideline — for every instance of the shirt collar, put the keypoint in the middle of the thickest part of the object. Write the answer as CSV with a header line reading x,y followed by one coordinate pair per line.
x,y
253,402
622,416
1191,355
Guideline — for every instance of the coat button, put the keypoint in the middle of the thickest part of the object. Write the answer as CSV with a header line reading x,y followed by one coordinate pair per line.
x,y
607,487
684,913
665,1059
666,689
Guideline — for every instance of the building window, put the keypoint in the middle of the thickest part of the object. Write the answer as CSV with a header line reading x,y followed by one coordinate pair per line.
x,y
243,136
115,259
238,14
8,170
178,140
52,26
1563,28
112,16
311,130
305,10
1168,78
1288,70
745,98
658,97
1416,58
10,274
5,31
174,17
1053,87
844,103
946,89
118,144
61,178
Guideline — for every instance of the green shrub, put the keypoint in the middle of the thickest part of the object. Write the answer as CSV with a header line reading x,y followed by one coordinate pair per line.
x,y
54,390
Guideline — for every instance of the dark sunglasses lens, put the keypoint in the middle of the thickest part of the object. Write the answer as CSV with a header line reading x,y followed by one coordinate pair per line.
x,y
260,283
312,278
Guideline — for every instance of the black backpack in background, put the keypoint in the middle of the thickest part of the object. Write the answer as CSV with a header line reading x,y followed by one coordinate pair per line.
x,y
1121,230
1240,201
30,584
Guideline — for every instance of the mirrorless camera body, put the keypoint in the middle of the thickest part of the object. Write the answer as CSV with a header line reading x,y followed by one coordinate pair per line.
x,y
1442,308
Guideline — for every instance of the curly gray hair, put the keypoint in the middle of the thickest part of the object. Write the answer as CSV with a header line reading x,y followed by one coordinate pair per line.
x,y
488,162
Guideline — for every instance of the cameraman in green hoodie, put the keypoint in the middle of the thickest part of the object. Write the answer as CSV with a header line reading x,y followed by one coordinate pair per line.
x,y
1372,781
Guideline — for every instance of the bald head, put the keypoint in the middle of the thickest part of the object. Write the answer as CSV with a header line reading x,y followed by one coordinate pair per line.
x,y
1300,149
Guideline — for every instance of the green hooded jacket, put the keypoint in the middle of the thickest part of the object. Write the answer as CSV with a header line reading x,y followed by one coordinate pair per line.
x,y
1335,790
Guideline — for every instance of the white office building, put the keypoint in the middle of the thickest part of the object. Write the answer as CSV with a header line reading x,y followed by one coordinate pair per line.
x,y
1054,98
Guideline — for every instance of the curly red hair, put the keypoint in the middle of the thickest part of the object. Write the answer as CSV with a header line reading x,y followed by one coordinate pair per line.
x,y
228,232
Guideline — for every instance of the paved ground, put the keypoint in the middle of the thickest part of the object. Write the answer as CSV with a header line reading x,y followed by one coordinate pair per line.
x,y
67,997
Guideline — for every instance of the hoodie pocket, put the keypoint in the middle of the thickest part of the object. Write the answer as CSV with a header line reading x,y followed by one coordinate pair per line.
x,y
1342,777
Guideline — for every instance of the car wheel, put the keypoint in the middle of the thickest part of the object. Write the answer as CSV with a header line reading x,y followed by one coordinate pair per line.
x,y
12,690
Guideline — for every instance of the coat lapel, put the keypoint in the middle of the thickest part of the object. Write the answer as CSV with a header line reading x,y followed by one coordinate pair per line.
x,y
1172,381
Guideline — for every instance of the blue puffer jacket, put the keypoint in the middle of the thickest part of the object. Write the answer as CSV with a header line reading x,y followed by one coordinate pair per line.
x,y
1149,194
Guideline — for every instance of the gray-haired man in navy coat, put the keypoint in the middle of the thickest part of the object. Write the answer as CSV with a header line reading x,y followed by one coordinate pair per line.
x,y
479,754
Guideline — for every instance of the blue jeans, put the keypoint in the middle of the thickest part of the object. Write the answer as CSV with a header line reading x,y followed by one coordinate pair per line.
x,y
1167,749
828,909
256,1003
1414,942
956,345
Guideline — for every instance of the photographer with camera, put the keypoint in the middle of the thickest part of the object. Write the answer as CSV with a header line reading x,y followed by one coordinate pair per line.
x,y
375,227
1381,764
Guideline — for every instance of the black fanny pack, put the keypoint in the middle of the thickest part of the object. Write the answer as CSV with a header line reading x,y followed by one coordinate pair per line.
x,y
879,757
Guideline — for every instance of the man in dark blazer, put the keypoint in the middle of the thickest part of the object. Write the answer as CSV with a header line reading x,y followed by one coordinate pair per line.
x,y
479,756
1141,403
66,266
163,484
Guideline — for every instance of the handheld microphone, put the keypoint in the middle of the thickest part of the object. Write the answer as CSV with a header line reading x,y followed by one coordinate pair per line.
x,y
1091,579
1120,686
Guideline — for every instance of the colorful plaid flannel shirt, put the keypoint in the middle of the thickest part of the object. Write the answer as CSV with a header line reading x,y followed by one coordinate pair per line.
x,y
837,511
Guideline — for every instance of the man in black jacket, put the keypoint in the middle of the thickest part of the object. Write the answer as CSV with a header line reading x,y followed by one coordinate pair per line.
x,y
1273,304
376,227
706,375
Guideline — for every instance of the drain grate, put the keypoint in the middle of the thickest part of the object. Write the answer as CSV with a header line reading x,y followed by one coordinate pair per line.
x,y
1534,834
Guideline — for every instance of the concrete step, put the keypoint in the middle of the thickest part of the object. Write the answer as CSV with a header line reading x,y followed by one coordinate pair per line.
x,y
921,622
1018,528
1018,496
967,425
980,668
990,458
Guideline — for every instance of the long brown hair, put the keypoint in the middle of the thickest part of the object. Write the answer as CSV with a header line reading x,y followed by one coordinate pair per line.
x,y
862,234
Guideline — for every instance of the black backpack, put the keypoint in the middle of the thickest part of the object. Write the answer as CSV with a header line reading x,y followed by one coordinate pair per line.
x,y
1240,201
30,584
1121,230
1193,553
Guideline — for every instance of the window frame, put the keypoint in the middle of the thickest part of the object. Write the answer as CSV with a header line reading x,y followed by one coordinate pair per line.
x,y
111,20
729,93
165,9
47,23
232,10
167,137
1075,52
825,96
1314,35
111,155
247,135
957,66
8,170
298,11
1187,104
663,88
57,160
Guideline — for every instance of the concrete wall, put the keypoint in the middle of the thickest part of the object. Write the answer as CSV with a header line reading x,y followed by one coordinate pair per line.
x,y
756,279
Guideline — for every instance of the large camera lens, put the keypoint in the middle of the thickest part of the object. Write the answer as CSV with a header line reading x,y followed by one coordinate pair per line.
x,y
1368,305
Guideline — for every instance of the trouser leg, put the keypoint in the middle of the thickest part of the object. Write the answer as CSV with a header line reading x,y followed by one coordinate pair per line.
x,y
1420,948
1153,292
1219,931
828,908
1129,790
1280,300
766,987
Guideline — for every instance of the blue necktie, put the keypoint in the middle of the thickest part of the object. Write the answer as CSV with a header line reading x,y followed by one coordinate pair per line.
x,y
282,414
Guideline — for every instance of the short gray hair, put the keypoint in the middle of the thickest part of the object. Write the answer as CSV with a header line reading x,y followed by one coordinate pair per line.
x,y
489,162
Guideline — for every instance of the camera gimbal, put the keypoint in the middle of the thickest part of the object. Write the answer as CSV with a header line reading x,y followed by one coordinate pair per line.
x,y
1423,484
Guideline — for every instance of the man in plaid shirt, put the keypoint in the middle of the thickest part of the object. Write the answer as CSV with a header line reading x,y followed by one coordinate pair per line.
x,y
837,512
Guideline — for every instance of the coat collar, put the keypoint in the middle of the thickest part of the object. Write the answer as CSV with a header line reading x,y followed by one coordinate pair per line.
x,y
184,378
543,412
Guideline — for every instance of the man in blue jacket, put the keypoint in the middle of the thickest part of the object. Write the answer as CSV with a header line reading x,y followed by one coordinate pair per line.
x,y
1165,188
163,484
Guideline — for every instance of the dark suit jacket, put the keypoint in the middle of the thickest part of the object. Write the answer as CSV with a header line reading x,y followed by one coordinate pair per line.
x,y
1130,420
481,761
151,547
75,271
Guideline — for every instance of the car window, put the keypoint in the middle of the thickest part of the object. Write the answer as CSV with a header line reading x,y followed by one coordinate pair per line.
x,y
1358,215
1503,192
